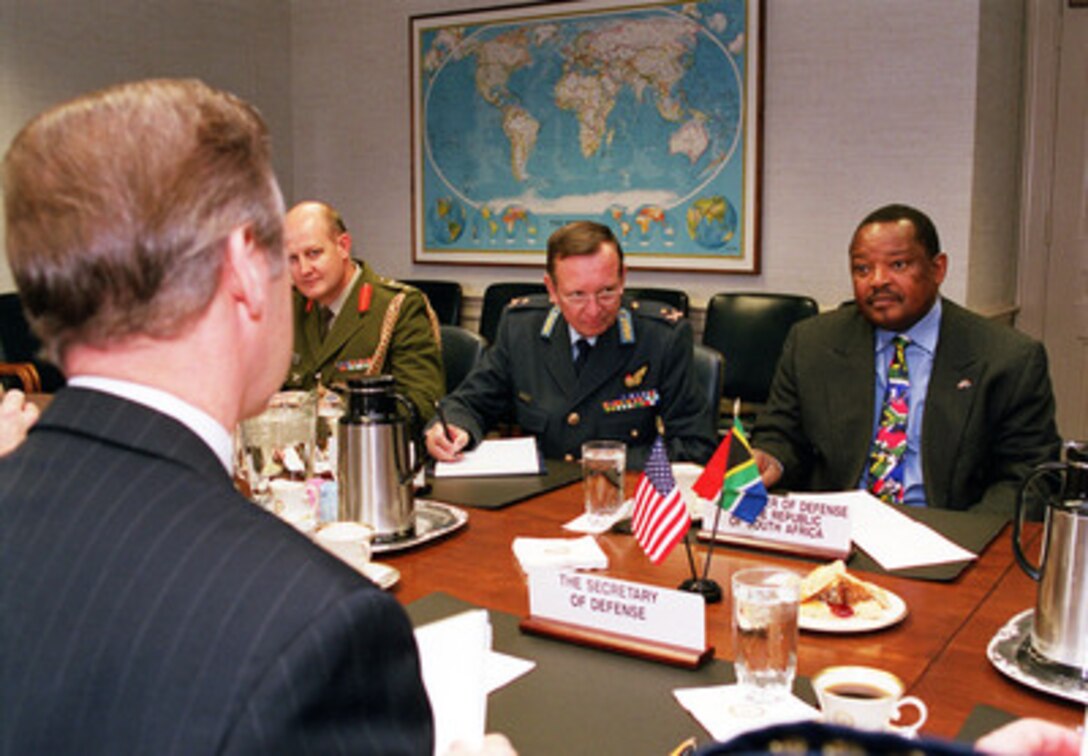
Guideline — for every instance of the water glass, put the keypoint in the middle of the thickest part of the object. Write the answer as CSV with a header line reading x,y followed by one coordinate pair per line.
x,y
276,445
603,466
765,606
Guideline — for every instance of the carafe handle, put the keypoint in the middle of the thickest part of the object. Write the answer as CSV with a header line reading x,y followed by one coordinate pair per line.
x,y
415,439
1035,572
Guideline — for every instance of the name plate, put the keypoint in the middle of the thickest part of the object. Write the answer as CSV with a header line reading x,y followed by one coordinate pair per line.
x,y
787,523
618,607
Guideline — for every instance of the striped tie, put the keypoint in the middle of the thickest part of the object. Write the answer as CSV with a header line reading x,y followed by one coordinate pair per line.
x,y
886,455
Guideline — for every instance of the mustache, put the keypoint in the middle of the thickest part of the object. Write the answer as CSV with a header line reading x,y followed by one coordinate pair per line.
x,y
883,291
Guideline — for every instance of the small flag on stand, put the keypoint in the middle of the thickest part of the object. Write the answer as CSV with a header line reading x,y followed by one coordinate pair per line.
x,y
661,519
732,477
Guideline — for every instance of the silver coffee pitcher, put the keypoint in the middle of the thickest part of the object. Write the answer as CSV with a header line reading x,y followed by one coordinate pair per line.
x,y
379,456
1060,626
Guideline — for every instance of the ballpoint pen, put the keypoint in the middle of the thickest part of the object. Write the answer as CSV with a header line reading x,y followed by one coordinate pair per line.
x,y
442,419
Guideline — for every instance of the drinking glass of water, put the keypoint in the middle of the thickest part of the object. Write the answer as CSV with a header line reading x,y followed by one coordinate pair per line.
x,y
603,466
765,605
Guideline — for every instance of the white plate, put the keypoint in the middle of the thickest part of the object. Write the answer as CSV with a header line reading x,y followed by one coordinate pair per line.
x,y
896,611
383,575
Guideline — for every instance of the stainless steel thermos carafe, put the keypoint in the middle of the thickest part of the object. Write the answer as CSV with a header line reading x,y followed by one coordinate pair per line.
x,y
1060,626
378,458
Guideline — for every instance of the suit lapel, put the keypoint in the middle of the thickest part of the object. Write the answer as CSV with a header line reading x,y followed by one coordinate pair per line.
x,y
559,362
347,322
124,423
957,370
850,392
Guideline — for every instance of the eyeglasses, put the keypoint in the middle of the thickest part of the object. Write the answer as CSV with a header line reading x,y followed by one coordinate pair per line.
x,y
605,297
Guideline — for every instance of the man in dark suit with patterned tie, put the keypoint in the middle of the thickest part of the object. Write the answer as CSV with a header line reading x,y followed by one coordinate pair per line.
x,y
904,392
145,606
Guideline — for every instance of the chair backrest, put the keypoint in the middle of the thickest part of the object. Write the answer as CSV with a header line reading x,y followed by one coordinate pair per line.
x,y
445,298
749,329
709,369
672,297
20,375
496,297
461,351
19,344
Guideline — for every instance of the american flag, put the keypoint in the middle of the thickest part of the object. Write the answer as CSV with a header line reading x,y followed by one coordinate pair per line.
x,y
661,519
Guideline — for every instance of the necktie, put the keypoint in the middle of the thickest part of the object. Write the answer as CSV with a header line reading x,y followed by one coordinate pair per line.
x,y
324,320
581,357
890,442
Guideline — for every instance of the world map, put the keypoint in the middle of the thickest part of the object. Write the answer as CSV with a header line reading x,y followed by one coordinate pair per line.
x,y
634,118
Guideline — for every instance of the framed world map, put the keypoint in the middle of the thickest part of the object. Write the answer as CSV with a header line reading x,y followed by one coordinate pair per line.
x,y
642,116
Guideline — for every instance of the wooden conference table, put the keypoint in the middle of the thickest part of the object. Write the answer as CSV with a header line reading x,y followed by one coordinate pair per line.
x,y
938,650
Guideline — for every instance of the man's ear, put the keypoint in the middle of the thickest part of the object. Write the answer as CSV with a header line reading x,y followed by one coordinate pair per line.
x,y
245,269
549,284
343,243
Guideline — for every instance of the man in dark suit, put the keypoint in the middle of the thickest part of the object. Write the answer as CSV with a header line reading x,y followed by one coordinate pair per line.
x,y
637,365
146,606
981,410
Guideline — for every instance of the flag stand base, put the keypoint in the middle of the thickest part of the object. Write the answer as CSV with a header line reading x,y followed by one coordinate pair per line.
x,y
707,588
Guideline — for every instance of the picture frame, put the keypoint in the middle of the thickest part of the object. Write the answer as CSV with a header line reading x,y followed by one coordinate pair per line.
x,y
645,116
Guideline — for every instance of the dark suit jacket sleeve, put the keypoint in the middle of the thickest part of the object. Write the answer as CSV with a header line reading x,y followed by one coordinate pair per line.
x,y
414,358
1021,418
690,425
349,683
779,431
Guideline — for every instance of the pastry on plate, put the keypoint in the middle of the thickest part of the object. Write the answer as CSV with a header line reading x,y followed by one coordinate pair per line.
x,y
830,592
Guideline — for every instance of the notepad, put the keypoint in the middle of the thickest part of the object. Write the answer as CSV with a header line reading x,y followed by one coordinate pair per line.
x,y
496,456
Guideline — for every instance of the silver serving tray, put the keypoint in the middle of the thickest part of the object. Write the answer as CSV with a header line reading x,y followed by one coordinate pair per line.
x,y
1010,651
433,520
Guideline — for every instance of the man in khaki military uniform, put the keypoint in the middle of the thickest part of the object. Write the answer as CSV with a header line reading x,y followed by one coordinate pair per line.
x,y
350,322
577,365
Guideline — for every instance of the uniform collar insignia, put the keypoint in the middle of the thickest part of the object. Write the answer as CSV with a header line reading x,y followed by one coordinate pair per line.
x,y
549,323
627,326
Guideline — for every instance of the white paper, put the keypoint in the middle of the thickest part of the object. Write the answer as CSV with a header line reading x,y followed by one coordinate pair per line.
x,y
502,669
893,539
594,524
494,456
559,553
453,657
725,712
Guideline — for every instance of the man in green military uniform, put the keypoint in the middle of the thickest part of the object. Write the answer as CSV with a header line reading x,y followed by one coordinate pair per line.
x,y
577,365
350,322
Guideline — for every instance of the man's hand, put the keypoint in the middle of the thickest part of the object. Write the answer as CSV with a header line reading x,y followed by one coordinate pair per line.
x,y
443,447
1029,737
770,469
494,744
16,417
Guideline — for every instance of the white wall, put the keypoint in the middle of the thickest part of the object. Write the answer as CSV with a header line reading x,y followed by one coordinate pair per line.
x,y
51,50
865,103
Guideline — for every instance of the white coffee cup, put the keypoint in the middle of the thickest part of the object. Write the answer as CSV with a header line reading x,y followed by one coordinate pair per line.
x,y
348,540
866,698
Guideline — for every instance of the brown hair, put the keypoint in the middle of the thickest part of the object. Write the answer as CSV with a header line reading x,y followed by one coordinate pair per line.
x,y
579,238
118,204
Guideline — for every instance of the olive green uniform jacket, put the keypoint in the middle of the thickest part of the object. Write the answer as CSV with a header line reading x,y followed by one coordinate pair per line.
x,y
351,349
639,369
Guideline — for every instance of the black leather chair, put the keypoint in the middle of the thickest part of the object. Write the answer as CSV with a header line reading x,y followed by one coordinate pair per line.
x,y
749,329
445,298
496,297
461,351
18,344
672,297
709,370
